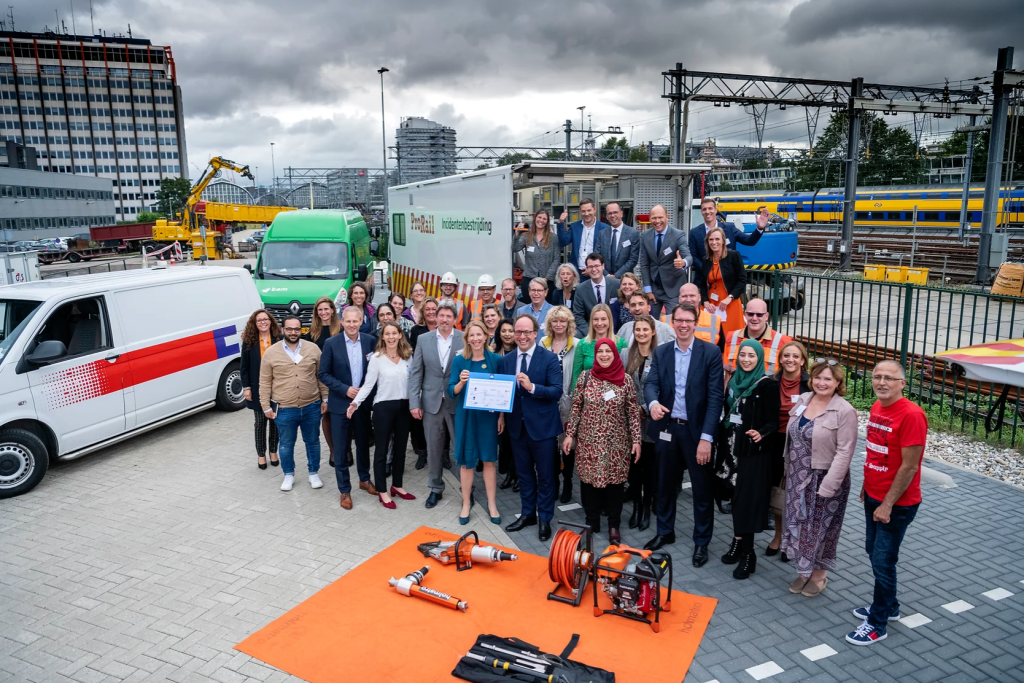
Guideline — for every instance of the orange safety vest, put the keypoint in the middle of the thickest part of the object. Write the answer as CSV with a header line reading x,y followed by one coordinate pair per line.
x,y
772,341
476,308
709,327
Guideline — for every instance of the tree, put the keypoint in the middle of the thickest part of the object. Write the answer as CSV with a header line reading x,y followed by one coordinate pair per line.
x,y
172,195
555,154
638,154
956,145
885,153
512,158
143,217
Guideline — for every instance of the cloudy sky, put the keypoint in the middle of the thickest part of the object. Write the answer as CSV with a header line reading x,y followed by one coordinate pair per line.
x,y
303,74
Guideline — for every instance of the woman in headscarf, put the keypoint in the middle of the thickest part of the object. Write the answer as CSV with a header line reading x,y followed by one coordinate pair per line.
x,y
605,422
751,417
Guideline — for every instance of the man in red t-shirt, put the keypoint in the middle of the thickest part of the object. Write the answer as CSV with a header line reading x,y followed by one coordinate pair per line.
x,y
897,432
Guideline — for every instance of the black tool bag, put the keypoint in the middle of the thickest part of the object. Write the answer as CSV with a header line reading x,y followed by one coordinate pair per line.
x,y
562,670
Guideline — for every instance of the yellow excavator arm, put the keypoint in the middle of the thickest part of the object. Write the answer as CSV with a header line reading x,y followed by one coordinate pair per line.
x,y
215,165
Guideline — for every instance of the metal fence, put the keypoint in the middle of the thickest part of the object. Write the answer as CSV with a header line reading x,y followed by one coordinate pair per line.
x,y
860,322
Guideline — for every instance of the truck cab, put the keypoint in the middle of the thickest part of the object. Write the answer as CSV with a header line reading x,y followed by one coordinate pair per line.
x,y
309,254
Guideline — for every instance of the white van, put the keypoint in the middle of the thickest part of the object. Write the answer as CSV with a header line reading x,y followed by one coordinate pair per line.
x,y
88,361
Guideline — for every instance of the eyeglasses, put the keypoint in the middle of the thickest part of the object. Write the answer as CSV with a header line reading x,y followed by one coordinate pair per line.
x,y
520,333
752,314
830,361
685,321
886,379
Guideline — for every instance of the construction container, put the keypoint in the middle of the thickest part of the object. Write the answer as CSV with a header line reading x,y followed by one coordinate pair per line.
x,y
917,276
874,273
895,274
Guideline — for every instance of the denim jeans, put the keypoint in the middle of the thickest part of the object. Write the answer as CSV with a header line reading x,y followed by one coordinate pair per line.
x,y
882,542
289,421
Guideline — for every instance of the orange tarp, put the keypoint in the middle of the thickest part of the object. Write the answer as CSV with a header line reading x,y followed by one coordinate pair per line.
x,y
361,629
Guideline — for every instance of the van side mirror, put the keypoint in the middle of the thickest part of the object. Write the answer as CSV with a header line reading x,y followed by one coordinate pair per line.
x,y
374,247
361,272
47,352
248,266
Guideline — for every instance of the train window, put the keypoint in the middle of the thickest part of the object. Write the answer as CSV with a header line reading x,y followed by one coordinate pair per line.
x,y
970,217
930,216
894,216
952,216
861,216
977,195
800,207
914,196
933,195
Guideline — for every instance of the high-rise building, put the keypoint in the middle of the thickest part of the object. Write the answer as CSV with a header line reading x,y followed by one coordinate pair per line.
x,y
426,149
108,107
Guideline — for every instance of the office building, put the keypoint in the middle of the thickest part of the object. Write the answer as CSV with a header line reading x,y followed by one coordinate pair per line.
x,y
34,204
100,106
426,150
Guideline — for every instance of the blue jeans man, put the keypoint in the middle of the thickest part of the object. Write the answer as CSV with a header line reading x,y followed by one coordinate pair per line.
x,y
882,543
289,421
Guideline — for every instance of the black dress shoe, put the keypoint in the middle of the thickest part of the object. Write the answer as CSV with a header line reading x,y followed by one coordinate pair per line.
x,y
509,481
433,499
658,541
566,490
771,552
523,522
700,555
634,519
421,460
544,531
725,507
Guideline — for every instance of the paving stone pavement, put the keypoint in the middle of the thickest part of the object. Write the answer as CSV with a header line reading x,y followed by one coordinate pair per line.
x,y
150,560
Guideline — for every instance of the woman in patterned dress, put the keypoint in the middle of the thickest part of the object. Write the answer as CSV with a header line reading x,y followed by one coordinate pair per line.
x,y
821,438
605,421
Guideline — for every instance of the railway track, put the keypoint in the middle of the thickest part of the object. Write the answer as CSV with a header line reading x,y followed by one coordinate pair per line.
x,y
939,250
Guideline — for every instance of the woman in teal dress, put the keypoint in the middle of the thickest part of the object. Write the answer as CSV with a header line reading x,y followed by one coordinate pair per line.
x,y
476,431
600,328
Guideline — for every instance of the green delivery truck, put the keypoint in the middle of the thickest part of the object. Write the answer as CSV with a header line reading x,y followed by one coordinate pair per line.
x,y
308,254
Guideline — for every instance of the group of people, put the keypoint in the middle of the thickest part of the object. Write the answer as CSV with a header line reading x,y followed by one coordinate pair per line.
x,y
630,379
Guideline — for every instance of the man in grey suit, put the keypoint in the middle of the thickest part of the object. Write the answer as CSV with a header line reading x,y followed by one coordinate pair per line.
x,y
428,380
599,289
619,244
664,258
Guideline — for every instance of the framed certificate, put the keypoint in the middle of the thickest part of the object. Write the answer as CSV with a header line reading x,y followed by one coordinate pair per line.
x,y
485,391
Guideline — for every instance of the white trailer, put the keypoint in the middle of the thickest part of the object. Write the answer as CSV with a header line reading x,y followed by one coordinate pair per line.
x,y
464,223
19,266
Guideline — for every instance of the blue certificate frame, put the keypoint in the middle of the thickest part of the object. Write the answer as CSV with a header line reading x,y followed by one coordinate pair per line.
x,y
487,391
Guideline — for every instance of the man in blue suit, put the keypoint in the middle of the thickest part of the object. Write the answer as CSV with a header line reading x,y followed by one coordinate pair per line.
x,y
533,425
619,244
583,234
342,369
733,236
684,394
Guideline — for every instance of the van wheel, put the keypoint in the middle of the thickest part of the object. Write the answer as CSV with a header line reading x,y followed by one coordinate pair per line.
x,y
23,461
230,396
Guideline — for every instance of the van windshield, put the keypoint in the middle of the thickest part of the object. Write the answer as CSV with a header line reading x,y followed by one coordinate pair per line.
x,y
303,261
14,317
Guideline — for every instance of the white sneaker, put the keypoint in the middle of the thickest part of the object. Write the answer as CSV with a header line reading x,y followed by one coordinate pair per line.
x,y
289,480
314,481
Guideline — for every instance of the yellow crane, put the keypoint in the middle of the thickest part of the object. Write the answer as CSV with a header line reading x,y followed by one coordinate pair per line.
x,y
189,230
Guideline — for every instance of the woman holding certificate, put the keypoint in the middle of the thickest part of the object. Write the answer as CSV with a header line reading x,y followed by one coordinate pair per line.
x,y
605,421
476,431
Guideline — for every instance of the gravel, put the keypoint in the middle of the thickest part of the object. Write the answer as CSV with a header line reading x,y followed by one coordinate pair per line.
x,y
1002,464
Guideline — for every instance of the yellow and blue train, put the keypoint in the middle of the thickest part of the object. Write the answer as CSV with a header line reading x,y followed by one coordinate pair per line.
x,y
937,205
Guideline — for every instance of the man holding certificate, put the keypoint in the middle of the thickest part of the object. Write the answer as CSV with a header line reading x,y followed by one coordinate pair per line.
x,y
534,424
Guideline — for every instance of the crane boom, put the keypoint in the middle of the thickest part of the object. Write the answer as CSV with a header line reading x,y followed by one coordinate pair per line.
x,y
216,164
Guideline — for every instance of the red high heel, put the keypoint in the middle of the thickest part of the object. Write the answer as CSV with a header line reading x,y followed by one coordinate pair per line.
x,y
390,505
403,496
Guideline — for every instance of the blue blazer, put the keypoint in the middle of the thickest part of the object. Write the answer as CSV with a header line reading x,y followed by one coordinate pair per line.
x,y
573,233
732,234
705,388
536,412
335,371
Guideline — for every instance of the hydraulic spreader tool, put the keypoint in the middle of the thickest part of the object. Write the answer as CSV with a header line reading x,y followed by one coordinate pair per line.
x,y
464,552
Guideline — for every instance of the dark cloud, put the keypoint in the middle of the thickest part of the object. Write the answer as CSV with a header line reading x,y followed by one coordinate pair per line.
x,y
305,73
